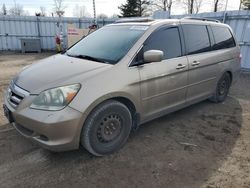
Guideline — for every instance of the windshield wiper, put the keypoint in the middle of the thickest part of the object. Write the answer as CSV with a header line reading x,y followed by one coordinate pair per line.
x,y
88,58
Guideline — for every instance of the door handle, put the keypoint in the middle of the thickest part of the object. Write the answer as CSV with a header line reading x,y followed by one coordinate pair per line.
x,y
180,66
195,63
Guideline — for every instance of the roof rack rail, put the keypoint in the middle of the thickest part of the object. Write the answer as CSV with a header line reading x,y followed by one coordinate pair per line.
x,y
202,19
126,20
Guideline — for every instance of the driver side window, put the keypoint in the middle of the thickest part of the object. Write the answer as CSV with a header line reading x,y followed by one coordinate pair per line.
x,y
166,40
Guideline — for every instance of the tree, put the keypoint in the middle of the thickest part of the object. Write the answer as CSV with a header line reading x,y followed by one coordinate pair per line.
x,y
164,5
190,6
218,5
102,16
4,10
43,11
246,4
193,6
59,7
197,6
142,7
129,9
134,8
114,16
17,10
216,2
80,11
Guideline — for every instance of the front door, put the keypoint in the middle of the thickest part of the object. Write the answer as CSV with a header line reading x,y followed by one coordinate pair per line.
x,y
163,84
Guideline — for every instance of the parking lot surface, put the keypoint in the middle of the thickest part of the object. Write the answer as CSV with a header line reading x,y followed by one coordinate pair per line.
x,y
204,145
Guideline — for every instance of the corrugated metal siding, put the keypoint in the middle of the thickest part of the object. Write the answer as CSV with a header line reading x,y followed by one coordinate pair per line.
x,y
13,28
239,21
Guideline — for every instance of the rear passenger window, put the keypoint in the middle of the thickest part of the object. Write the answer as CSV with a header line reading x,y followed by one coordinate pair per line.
x,y
196,39
223,38
166,40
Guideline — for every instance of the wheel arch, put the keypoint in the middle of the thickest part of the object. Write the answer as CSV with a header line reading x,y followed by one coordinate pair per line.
x,y
228,71
127,100
231,75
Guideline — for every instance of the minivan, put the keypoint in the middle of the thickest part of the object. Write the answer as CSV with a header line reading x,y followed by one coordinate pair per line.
x,y
119,77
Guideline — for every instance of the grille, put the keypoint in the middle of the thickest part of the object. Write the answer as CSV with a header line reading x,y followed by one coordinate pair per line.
x,y
16,95
15,99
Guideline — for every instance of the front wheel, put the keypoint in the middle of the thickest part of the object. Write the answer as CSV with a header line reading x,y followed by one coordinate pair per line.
x,y
107,128
222,89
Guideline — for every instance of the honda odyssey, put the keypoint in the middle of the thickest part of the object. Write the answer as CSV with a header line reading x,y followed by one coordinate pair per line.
x,y
121,76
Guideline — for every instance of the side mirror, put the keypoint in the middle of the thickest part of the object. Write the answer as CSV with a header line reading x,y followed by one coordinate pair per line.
x,y
153,56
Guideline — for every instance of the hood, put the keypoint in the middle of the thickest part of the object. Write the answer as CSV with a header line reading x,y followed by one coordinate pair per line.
x,y
55,70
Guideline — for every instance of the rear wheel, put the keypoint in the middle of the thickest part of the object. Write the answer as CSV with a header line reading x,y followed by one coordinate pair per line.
x,y
107,128
222,89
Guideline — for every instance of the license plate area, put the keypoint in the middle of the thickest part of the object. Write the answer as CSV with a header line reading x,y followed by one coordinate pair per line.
x,y
8,114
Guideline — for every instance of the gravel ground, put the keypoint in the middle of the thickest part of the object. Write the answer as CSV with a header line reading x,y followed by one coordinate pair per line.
x,y
156,155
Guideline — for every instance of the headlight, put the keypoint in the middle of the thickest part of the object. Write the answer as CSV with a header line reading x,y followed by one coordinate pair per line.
x,y
55,99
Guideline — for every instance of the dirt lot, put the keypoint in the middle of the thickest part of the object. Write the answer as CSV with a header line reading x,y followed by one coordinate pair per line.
x,y
155,156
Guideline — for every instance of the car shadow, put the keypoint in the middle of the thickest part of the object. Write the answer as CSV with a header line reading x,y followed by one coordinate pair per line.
x,y
182,149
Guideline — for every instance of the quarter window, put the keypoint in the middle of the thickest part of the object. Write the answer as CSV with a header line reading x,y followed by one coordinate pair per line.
x,y
196,38
223,38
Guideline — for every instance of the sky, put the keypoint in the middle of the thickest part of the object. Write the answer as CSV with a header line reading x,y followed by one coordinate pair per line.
x,y
108,7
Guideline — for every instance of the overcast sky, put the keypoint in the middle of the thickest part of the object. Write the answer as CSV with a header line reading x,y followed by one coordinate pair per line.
x,y
108,7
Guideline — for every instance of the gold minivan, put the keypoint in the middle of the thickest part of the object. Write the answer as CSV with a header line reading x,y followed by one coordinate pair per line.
x,y
119,77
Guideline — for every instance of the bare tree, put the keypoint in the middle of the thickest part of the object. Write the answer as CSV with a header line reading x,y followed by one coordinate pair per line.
x,y
17,10
193,6
218,5
142,7
80,11
114,16
102,16
190,6
59,7
197,6
43,11
164,5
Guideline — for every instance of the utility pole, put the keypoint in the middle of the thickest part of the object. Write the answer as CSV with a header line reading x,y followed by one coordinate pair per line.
x,y
94,10
225,12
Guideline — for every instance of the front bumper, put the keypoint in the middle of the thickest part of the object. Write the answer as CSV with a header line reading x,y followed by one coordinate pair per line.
x,y
53,130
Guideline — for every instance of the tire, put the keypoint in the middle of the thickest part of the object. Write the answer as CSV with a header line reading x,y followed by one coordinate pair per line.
x,y
107,128
222,89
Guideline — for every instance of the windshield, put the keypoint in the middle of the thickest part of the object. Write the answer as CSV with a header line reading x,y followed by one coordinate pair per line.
x,y
108,44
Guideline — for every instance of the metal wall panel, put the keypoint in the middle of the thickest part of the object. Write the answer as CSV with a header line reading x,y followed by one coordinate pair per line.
x,y
13,28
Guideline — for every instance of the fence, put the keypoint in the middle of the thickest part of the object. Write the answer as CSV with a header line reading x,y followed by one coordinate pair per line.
x,y
12,29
